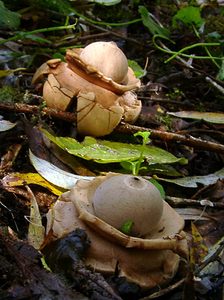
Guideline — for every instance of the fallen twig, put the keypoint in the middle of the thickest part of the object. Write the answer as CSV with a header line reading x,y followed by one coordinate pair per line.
x,y
36,110
183,202
172,137
165,290
121,128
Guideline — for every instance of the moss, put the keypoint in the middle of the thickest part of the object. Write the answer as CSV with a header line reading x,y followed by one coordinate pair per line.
x,y
8,94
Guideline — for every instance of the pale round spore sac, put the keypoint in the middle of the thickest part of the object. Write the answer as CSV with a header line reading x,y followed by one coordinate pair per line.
x,y
125,198
107,58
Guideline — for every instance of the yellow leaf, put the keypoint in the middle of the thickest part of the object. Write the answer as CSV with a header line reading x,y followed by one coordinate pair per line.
x,y
198,249
5,73
20,179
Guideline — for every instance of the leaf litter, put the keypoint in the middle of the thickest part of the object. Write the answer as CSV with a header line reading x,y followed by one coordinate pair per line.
x,y
192,183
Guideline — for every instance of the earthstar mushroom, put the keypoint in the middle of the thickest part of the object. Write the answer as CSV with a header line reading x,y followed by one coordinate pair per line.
x,y
99,76
150,255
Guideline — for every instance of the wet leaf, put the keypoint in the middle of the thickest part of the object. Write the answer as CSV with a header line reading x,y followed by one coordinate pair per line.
x,y
212,117
21,179
192,181
103,151
6,125
55,175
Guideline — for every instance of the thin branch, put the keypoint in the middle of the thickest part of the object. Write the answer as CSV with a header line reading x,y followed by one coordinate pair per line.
x,y
183,202
172,137
36,110
121,36
121,128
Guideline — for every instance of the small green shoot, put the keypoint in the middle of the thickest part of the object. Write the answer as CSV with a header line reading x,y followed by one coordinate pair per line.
x,y
136,166
32,34
145,140
145,136
127,227
153,26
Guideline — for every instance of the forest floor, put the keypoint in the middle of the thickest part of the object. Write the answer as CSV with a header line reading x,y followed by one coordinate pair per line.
x,y
178,49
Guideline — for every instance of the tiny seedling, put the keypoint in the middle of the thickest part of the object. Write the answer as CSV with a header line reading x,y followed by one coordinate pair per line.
x,y
136,166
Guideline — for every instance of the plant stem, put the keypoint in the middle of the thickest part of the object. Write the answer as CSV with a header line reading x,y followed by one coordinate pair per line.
x,y
180,52
24,34
206,48
106,23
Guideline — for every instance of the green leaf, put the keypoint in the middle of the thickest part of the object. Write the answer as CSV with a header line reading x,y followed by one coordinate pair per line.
x,y
8,19
189,15
166,170
103,151
139,72
211,117
127,227
158,186
152,26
